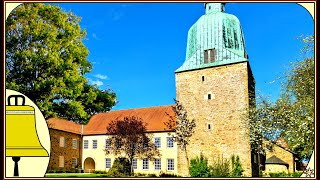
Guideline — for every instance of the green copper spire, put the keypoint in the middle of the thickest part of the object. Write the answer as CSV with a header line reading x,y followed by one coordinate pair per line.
x,y
215,39
214,7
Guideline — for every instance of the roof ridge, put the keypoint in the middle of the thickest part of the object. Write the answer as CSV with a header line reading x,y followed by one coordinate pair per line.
x,y
138,108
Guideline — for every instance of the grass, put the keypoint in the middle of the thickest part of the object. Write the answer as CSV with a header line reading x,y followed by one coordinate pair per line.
x,y
80,175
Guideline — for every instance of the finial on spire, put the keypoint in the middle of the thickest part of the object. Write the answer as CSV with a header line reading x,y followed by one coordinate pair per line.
x,y
214,7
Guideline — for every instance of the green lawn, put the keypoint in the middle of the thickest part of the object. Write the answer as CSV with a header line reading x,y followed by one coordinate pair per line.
x,y
79,175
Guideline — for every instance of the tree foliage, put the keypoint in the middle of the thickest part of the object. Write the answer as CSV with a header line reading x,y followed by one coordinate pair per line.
x,y
128,138
183,126
292,115
199,167
121,167
236,167
46,60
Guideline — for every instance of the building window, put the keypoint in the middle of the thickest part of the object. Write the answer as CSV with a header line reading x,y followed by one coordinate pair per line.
x,y
202,78
74,162
209,56
157,164
118,144
157,142
169,142
209,96
170,164
61,161
108,144
74,144
85,144
94,144
209,126
108,162
145,164
62,142
205,56
134,163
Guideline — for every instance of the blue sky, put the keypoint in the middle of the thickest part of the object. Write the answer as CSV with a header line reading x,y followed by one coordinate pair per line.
x,y
136,47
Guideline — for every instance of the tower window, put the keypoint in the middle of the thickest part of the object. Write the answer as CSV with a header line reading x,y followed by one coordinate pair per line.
x,y
209,126
205,56
209,96
202,78
209,56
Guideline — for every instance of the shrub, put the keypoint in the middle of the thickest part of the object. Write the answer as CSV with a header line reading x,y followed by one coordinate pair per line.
x,y
168,175
199,167
284,174
220,168
151,175
296,174
121,168
99,172
278,174
236,168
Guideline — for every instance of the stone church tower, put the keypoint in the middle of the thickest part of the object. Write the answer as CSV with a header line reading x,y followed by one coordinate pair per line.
x,y
214,85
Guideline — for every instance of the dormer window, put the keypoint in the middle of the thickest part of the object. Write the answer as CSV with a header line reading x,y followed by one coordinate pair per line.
x,y
209,56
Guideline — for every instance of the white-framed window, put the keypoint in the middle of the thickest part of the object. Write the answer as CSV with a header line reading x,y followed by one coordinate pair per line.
x,y
108,162
85,144
157,164
157,142
62,142
170,164
134,163
170,142
118,144
74,162
61,161
145,164
74,143
94,144
108,143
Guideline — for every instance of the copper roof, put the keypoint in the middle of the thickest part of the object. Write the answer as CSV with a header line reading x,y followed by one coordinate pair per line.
x,y
153,116
64,125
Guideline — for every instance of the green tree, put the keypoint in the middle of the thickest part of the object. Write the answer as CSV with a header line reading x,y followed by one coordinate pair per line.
x,y
236,167
128,138
199,167
183,126
292,115
46,60
121,167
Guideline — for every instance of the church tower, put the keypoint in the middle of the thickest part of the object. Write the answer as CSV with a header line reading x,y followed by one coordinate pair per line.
x,y
215,84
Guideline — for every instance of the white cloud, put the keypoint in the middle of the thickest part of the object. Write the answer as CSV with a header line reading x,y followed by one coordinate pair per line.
x,y
100,76
97,82
94,35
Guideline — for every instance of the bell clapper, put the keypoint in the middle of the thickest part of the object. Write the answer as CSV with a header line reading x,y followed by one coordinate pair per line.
x,y
16,169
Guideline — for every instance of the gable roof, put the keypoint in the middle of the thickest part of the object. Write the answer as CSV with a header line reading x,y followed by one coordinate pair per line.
x,y
281,142
154,117
64,125
275,160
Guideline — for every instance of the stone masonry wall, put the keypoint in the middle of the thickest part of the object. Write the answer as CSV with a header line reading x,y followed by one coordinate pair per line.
x,y
284,155
228,86
67,152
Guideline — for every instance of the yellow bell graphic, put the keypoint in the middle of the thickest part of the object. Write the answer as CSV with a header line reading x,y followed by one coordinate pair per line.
x,y
21,134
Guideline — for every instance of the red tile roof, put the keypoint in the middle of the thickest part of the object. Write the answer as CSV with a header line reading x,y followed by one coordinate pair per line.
x,y
153,116
64,125
281,142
